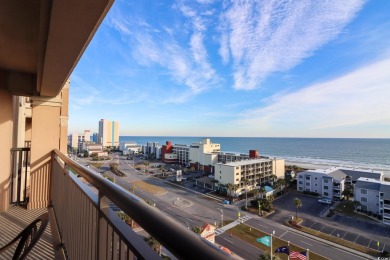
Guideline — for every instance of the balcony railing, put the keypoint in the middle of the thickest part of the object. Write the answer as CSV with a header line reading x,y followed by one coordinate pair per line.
x,y
91,230
19,177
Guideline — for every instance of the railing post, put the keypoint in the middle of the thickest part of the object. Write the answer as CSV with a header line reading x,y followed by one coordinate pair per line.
x,y
101,248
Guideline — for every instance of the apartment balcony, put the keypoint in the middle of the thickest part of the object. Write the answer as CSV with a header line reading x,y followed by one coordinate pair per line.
x,y
386,206
83,226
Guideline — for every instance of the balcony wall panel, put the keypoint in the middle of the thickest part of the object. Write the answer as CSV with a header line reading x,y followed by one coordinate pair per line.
x,y
6,128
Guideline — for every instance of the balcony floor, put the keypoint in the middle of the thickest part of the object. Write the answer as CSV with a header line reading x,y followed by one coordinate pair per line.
x,y
15,220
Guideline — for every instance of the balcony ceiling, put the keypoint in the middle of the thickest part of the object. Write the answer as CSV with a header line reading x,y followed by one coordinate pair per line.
x,y
42,41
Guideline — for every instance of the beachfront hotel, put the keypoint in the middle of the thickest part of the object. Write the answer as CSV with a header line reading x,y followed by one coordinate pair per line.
x,y
332,182
108,133
256,171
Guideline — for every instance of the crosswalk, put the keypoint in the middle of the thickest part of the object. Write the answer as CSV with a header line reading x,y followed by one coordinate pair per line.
x,y
221,230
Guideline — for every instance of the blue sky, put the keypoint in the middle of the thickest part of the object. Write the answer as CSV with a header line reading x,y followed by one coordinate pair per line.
x,y
238,68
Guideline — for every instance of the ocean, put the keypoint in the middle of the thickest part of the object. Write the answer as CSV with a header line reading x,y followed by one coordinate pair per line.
x,y
349,152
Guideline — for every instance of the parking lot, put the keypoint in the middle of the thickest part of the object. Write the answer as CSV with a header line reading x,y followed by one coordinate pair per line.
x,y
355,230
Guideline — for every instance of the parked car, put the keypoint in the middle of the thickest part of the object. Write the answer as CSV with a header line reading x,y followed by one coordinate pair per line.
x,y
325,200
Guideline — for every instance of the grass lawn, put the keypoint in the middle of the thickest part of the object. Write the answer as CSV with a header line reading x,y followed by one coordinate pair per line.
x,y
148,187
250,235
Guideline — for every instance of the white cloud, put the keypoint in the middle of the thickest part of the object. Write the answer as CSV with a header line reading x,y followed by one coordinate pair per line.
x,y
360,98
182,55
263,37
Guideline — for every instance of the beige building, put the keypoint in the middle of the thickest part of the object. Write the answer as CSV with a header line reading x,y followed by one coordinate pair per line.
x,y
108,133
204,154
256,171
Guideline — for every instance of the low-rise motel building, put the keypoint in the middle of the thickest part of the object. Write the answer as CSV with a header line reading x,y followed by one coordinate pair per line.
x,y
373,197
371,192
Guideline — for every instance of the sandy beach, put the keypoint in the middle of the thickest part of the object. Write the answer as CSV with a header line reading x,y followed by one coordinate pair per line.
x,y
315,166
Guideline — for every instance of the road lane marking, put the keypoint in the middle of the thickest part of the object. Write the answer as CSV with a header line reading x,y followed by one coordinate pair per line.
x,y
228,240
356,238
306,243
312,224
283,234
263,226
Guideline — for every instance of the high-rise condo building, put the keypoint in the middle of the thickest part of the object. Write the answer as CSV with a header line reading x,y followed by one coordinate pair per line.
x,y
108,133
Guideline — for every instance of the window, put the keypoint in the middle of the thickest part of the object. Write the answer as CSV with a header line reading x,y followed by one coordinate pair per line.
x,y
316,184
220,177
326,181
326,194
363,191
315,178
237,179
300,182
307,183
326,187
307,177
316,191
363,199
300,188
237,168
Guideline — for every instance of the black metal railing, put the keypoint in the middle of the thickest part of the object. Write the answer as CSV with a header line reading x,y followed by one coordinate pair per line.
x,y
180,241
20,158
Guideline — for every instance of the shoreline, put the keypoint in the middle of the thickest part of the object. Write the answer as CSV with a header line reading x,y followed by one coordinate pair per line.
x,y
319,166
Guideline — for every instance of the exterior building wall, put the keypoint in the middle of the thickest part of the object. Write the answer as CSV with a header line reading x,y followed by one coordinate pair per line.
x,y
311,181
198,150
257,172
278,167
182,152
108,133
6,130
46,135
368,199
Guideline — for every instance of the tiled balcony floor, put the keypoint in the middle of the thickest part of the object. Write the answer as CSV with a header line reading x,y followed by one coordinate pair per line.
x,y
15,220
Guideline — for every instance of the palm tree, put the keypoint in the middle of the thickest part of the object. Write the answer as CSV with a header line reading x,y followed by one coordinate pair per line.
x,y
298,204
262,191
281,183
246,193
347,193
235,188
229,188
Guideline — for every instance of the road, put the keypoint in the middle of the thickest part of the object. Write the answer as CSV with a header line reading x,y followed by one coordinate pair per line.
x,y
200,211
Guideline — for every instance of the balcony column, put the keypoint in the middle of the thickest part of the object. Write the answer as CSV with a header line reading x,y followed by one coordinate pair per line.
x,y
6,138
49,131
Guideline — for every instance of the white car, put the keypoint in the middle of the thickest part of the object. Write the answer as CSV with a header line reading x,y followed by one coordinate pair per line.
x,y
325,201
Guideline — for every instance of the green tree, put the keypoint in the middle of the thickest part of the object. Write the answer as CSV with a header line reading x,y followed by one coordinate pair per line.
x,y
196,230
298,203
347,193
229,188
267,256
246,181
262,191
